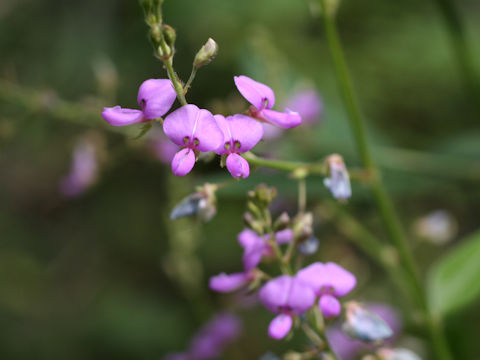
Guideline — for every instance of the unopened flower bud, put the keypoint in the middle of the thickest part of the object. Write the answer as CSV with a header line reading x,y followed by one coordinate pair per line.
x,y
263,194
303,226
397,354
339,181
201,204
365,325
206,53
309,246
282,222
169,34
293,356
252,222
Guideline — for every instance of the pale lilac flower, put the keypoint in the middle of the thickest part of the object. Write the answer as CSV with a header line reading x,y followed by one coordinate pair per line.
x,y
240,134
308,104
212,339
83,171
347,348
396,354
339,181
193,129
365,325
262,99
256,246
329,281
286,296
155,98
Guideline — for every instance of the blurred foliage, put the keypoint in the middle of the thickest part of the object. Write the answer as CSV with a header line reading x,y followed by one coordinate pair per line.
x,y
92,277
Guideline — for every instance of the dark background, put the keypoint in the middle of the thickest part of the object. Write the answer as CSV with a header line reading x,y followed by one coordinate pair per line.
x,y
106,275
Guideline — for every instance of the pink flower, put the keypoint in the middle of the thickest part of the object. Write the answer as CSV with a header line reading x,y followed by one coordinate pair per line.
x,y
83,171
256,246
193,129
308,104
240,134
262,99
155,97
329,281
286,296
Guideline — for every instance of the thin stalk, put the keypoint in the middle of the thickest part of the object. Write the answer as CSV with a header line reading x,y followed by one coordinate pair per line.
x,y
302,195
190,80
383,201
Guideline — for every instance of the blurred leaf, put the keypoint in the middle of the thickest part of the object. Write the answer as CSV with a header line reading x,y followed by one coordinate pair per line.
x,y
454,280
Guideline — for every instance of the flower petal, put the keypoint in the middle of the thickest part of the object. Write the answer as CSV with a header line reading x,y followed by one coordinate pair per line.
x,y
284,236
228,282
280,326
248,238
181,124
244,130
284,120
118,116
300,298
156,97
329,305
253,255
342,280
183,162
194,127
274,294
256,93
238,166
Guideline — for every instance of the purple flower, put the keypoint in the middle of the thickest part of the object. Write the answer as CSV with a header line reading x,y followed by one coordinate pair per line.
x,y
212,339
308,104
329,281
83,171
240,134
229,282
262,99
256,246
286,296
339,181
193,129
155,97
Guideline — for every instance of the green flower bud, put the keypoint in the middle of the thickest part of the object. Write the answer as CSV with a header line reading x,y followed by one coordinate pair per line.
x,y
206,53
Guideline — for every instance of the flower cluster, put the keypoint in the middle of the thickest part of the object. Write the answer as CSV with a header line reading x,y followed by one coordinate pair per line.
x,y
197,130
287,295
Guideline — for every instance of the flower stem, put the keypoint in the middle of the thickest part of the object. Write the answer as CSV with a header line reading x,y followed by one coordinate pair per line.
x,y
285,165
190,80
383,201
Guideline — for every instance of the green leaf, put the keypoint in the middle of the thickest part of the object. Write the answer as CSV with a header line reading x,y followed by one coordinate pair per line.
x,y
454,281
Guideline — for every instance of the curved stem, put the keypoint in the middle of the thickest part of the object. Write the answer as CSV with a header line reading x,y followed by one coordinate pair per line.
x,y
383,201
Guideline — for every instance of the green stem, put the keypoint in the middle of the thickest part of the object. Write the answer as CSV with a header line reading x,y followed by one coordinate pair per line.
x,y
463,54
383,201
190,80
285,165
302,195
